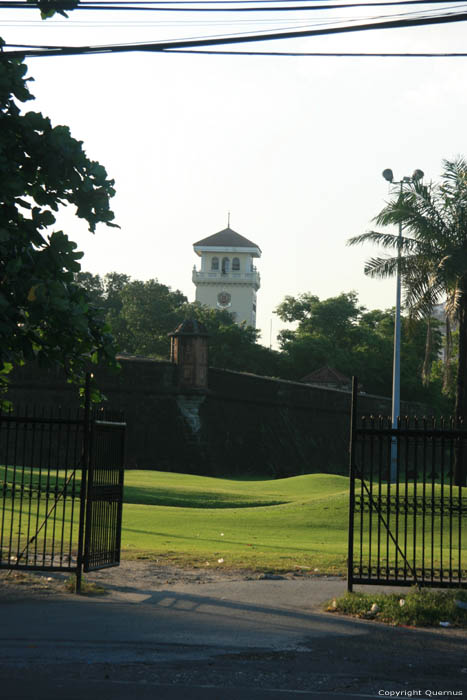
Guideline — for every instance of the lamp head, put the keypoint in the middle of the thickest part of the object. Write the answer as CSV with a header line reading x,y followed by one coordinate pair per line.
x,y
417,175
388,175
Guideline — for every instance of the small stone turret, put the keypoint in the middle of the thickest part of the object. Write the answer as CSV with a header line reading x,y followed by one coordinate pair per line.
x,y
189,350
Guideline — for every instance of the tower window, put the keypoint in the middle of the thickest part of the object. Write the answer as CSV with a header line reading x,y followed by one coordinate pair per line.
x,y
215,264
236,264
225,265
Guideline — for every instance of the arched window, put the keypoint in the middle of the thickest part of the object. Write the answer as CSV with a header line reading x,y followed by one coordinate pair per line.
x,y
215,264
225,265
236,264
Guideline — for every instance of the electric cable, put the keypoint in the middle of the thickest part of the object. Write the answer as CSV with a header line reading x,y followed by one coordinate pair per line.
x,y
196,43
4,4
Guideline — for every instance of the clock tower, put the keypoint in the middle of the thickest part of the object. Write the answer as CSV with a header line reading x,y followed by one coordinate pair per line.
x,y
228,278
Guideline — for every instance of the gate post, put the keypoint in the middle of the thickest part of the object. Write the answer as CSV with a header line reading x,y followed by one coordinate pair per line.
x,y
353,419
84,470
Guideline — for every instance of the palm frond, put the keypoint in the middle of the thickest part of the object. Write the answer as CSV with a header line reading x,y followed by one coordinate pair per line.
x,y
381,267
451,306
386,240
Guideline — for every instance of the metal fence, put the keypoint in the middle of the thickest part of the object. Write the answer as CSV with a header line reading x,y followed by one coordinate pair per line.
x,y
408,527
61,489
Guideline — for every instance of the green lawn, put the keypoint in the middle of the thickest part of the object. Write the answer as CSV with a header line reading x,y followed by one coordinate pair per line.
x,y
283,524
258,524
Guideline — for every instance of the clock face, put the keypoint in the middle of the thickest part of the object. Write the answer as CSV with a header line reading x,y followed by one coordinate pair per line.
x,y
224,299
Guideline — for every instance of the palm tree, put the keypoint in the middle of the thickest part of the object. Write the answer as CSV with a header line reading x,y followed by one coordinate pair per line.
x,y
433,256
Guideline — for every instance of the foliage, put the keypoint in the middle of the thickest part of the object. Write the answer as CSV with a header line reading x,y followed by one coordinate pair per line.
x,y
433,252
419,608
142,314
233,346
87,587
44,314
332,318
48,8
340,333
433,257
444,372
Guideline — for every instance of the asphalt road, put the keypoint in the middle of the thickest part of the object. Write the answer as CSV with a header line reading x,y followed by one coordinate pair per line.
x,y
242,640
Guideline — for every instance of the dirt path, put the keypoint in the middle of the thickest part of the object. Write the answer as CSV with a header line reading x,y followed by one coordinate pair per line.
x,y
138,574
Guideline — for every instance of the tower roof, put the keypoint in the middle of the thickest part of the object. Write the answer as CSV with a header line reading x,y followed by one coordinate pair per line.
x,y
227,239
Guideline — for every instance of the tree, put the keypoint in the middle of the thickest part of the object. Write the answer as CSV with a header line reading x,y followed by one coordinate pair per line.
x,y
433,254
149,312
342,334
332,317
142,314
235,346
44,314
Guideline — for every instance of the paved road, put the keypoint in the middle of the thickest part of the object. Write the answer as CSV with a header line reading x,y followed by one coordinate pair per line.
x,y
237,640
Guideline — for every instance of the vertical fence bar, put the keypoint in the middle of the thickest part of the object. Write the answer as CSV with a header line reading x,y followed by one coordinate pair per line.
x,y
121,453
396,495
390,477
77,455
379,499
13,493
21,487
32,485
361,509
353,418
370,508
424,477
406,497
84,472
441,522
5,479
433,517
461,458
451,508
65,489
91,523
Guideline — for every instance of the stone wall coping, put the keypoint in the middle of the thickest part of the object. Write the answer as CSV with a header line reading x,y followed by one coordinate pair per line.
x,y
279,380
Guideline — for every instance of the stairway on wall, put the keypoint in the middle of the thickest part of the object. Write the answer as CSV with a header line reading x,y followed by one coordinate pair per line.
x,y
197,454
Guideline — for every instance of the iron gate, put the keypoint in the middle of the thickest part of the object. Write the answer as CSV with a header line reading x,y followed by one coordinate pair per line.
x,y
105,495
408,523
61,490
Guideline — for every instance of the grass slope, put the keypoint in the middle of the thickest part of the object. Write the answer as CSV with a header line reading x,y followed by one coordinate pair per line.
x,y
300,522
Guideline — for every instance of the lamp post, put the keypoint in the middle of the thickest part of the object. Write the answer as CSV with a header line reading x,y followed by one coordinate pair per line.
x,y
396,367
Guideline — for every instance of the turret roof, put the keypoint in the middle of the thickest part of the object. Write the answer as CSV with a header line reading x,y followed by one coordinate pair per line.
x,y
227,238
190,326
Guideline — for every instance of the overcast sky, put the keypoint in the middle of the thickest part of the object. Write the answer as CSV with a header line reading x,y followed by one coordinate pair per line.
x,y
292,147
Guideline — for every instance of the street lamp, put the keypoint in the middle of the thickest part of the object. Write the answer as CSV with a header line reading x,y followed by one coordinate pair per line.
x,y
396,367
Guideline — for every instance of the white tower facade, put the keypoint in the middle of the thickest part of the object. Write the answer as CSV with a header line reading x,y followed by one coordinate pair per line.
x,y
228,278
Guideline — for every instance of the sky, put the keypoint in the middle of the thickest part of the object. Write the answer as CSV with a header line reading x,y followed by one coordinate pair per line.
x,y
292,147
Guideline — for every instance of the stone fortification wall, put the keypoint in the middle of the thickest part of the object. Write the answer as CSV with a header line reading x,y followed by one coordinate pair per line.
x,y
243,424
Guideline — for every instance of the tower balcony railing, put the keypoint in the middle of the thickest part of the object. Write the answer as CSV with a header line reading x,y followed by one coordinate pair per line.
x,y
231,276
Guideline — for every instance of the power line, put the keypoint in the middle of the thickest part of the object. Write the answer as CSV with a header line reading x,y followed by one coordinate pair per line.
x,y
180,7
197,43
315,54
394,22
322,54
